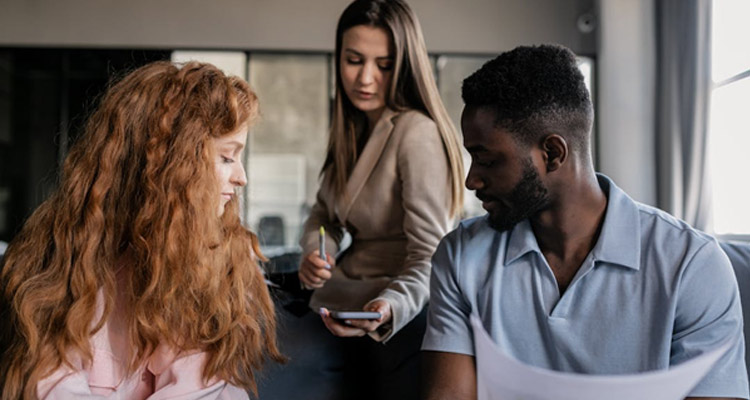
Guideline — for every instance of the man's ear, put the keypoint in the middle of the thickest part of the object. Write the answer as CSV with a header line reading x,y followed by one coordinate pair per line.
x,y
555,151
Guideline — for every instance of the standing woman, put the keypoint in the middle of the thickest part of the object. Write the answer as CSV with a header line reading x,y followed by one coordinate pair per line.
x,y
393,180
134,279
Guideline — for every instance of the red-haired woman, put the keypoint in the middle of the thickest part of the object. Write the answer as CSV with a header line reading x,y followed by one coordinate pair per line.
x,y
134,279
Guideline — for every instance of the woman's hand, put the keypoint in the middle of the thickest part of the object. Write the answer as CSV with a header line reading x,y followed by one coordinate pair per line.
x,y
358,327
314,272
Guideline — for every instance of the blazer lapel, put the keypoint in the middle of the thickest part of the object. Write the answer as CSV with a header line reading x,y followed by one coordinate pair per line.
x,y
366,162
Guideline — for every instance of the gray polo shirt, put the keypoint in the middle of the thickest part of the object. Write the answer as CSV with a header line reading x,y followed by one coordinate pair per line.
x,y
653,292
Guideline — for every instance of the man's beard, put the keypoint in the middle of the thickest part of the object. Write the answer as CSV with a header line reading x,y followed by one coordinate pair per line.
x,y
526,199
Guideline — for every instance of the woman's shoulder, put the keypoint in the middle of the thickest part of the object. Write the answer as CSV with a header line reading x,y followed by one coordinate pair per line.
x,y
416,133
415,124
410,117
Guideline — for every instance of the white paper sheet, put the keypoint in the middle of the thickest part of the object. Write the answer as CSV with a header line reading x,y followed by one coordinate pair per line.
x,y
501,377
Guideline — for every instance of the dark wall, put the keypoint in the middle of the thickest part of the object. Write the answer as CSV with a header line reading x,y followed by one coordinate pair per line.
x,y
45,96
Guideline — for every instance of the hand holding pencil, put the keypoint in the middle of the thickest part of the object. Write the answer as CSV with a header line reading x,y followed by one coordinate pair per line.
x,y
315,268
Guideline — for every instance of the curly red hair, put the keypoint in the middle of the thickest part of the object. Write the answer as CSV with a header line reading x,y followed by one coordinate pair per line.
x,y
140,185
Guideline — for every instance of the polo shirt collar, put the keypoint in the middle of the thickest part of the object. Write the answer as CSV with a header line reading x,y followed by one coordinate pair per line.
x,y
619,240
521,240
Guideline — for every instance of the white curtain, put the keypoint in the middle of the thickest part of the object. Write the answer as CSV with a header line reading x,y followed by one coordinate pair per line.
x,y
683,30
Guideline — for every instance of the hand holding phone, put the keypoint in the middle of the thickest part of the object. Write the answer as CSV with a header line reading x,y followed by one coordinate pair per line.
x,y
357,323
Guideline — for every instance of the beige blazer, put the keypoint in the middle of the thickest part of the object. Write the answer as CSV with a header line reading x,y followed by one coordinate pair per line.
x,y
396,208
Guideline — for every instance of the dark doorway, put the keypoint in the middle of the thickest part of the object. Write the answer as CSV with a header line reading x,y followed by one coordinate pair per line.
x,y
45,97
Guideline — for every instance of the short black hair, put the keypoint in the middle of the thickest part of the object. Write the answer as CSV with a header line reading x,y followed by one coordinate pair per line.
x,y
534,91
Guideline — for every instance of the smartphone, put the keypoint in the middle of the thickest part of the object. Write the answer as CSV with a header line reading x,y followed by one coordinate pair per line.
x,y
355,314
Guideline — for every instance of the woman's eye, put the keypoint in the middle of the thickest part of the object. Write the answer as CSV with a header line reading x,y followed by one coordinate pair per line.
x,y
385,67
354,61
227,160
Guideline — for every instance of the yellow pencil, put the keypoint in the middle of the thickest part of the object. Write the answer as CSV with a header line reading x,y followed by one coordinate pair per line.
x,y
322,243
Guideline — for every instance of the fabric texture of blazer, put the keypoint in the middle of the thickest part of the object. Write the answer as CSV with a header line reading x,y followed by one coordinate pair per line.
x,y
396,208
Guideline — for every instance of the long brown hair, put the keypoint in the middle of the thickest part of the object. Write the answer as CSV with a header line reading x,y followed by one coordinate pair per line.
x,y
140,186
412,88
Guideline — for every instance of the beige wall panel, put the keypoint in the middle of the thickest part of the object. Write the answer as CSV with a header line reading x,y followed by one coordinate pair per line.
x,y
471,26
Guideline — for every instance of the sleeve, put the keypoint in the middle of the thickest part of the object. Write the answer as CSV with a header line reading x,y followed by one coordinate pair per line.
x,y
448,326
426,199
704,321
320,215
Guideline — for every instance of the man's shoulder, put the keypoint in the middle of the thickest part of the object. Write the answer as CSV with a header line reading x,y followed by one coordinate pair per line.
x,y
466,259
652,235
671,244
470,230
469,250
659,225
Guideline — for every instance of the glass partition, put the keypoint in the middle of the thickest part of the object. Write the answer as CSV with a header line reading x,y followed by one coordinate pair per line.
x,y
288,145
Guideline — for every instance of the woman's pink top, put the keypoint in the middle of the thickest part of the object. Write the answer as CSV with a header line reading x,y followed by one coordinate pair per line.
x,y
165,375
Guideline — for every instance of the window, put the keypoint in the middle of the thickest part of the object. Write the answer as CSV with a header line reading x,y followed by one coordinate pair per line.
x,y
729,126
287,146
452,70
